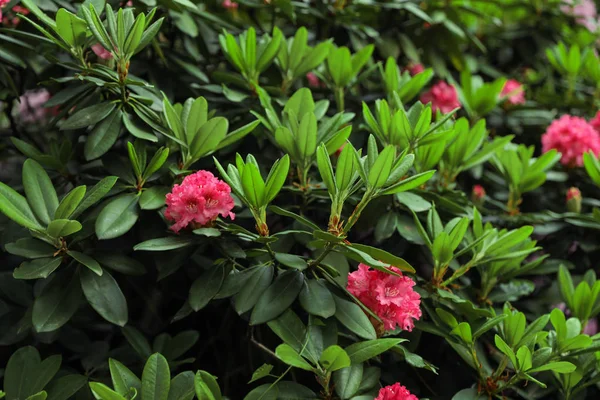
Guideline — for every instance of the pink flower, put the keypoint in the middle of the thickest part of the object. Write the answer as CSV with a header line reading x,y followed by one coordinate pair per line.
x,y
513,92
31,106
414,68
200,198
584,12
391,297
101,52
442,96
229,4
2,4
572,137
595,122
395,392
313,80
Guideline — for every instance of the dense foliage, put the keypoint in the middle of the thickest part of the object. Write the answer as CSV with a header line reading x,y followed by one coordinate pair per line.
x,y
362,199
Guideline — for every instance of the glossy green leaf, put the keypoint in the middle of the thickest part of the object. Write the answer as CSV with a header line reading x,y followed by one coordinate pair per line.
x,y
105,296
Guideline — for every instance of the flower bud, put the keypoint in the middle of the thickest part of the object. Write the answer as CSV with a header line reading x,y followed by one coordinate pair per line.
x,y
574,200
478,195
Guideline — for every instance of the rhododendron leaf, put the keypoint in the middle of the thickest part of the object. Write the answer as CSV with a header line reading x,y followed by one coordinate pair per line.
x,y
117,217
353,317
409,183
463,330
15,207
306,136
63,227
237,135
105,296
316,298
164,244
488,324
208,137
156,162
65,387
302,220
560,367
196,117
270,51
326,170
347,380
57,303
70,202
345,168
592,166
384,256
267,391
153,198
30,248
122,377
206,286
276,178
469,394
362,351
39,190
277,298
156,378
504,348
135,35
86,261
103,136
92,196
253,290
88,116
289,356
253,185
334,358
360,58
38,268
104,392
339,64
301,103
71,28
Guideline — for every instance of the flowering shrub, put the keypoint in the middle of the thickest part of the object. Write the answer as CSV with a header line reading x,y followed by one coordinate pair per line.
x,y
299,200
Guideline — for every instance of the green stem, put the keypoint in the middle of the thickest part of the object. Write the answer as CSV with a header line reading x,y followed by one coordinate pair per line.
x,y
339,99
368,196
328,247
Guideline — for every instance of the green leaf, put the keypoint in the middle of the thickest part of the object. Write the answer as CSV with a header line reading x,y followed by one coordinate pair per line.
x,y
206,386
208,137
463,330
39,191
56,304
30,248
302,220
122,378
117,217
334,358
182,387
316,298
156,162
70,202
276,178
278,297
65,387
504,348
63,227
36,269
560,367
384,257
135,35
156,378
70,28
104,392
292,261
95,194
103,136
306,136
206,287
381,169
255,287
362,351
409,183
153,198
86,261
347,381
289,356
26,375
15,207
253,185
137,341
261,372
164,244
88,116
352,317
105,296
237,135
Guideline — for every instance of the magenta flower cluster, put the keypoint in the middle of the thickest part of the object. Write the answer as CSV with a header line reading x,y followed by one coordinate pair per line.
x,y
572,137
395,392
442,96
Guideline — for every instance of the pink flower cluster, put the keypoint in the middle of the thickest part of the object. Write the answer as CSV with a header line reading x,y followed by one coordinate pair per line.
x,y
12,21
200,198
31,106
442,96
101,52
395,392
2,4
414,68
584,12
572,137
513,92
391,297
229,5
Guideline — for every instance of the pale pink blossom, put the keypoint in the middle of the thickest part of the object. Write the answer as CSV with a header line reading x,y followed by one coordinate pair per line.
x,y
199,199
414,68
572,137
31,106
513,92
229,4
391,297
442,96
395,392
584,12
101,52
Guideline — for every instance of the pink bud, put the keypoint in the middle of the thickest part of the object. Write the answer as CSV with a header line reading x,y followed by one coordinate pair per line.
x,y
101,52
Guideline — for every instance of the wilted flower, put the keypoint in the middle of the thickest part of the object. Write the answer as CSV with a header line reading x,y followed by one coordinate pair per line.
x,y
395,392
229,4
572,137
391,297
414,68
101,52
513,92
574,200
584,12
442,96
31,106
199,199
